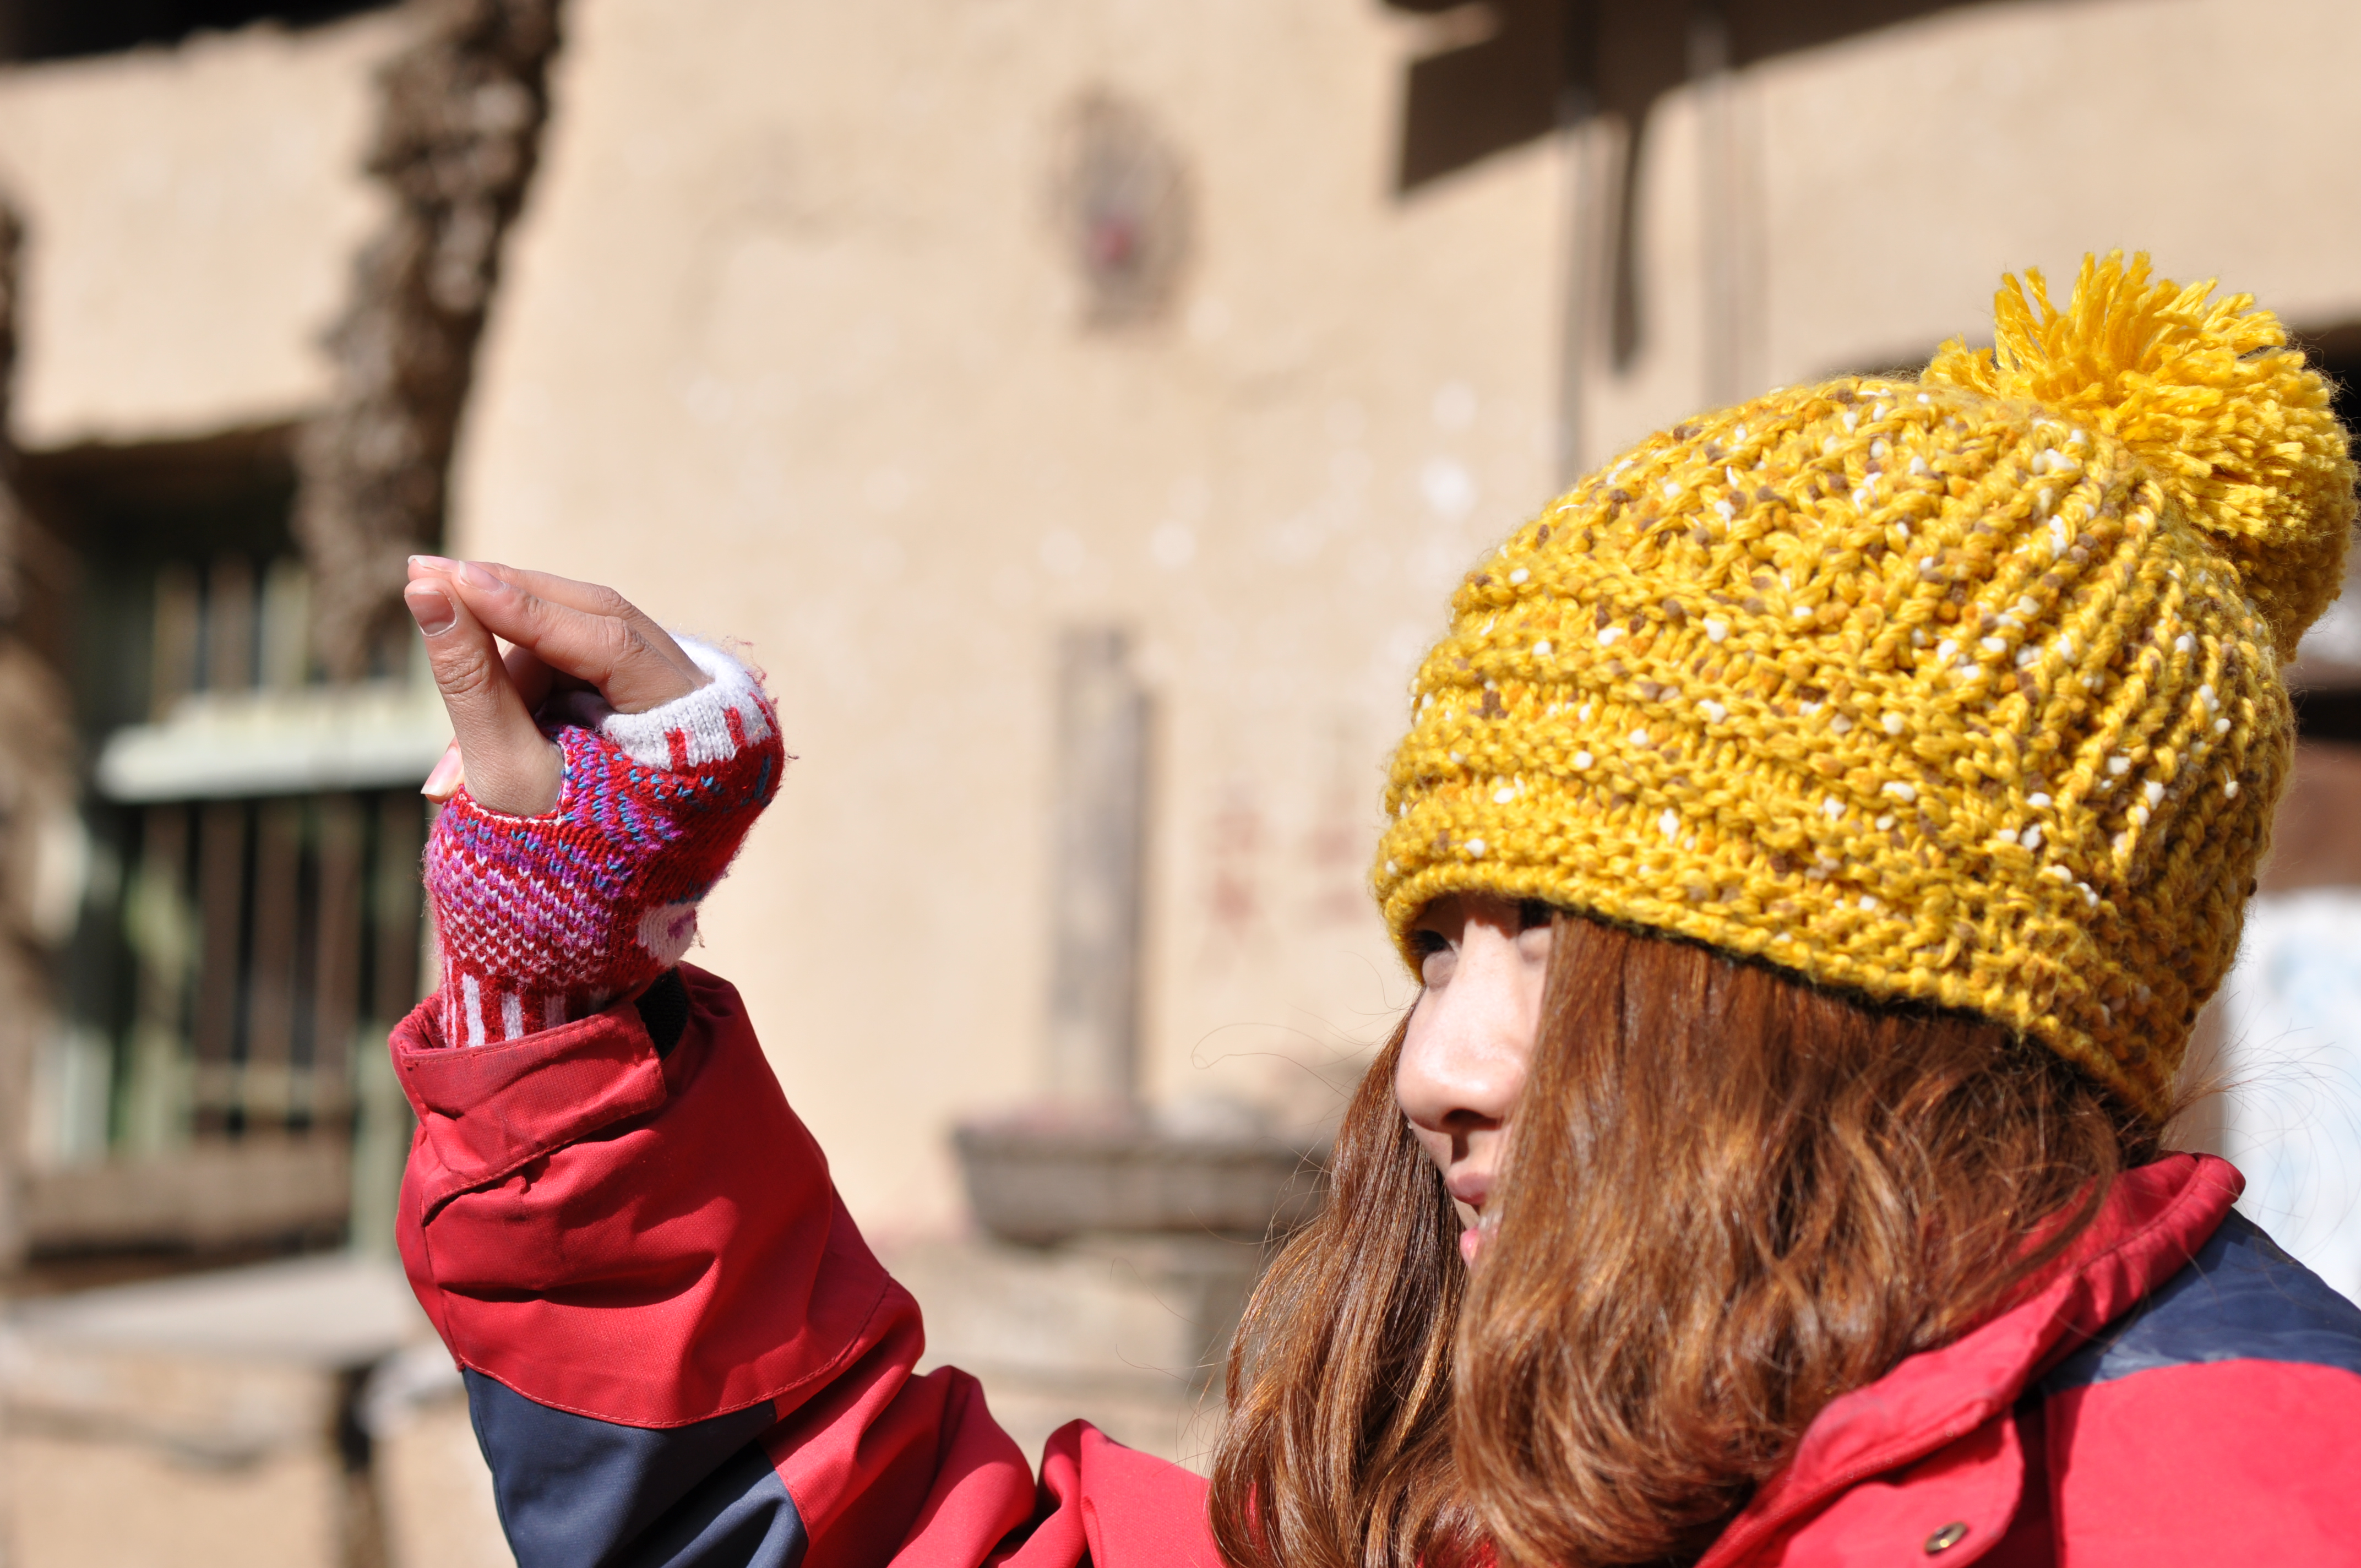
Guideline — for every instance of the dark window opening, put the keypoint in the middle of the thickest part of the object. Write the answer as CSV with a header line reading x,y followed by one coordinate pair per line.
x,y
2331,709
232,952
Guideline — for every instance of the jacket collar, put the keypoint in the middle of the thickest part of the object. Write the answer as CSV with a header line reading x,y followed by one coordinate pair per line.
x,y
2151,1225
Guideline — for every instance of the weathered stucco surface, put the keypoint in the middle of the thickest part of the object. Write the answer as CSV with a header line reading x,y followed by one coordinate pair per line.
x,y
790,350
192,216
1886,182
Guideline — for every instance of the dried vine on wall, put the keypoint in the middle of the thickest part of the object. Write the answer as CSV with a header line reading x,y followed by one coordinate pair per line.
x,y
457,139
37,793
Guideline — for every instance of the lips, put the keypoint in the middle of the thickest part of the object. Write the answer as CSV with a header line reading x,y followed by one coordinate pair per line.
x,y
1472,1188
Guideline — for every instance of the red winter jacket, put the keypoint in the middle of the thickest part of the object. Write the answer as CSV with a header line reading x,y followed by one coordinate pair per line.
x,y
679,1351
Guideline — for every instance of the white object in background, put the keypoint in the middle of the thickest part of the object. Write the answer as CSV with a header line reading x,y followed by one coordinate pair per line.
x,y
2292,1058
218,745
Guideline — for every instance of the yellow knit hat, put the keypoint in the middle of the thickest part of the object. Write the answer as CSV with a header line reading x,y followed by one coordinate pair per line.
x,y
1962,690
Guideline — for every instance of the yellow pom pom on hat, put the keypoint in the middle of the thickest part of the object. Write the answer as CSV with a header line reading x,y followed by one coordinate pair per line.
x,y
1962,690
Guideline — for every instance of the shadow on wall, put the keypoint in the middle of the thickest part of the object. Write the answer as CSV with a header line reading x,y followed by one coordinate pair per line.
x,y
61,29
1504,72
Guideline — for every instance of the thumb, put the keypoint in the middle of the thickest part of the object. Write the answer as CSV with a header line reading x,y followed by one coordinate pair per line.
x,y
509,766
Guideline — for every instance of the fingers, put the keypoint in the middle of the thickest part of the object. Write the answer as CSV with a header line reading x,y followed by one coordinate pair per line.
x,y
580,629
509,764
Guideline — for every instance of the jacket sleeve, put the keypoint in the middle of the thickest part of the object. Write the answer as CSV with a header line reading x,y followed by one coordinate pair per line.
x,y
678,1348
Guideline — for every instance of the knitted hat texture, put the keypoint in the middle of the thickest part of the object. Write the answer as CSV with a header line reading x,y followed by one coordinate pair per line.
x,y
1962,690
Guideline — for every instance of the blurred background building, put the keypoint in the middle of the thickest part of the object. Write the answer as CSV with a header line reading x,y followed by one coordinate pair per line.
x,y
1081,409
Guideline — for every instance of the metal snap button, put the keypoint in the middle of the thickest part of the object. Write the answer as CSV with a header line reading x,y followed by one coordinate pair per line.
x,y
1943,1539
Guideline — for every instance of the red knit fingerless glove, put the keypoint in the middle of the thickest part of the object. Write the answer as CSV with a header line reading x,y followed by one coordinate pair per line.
x,y
544,919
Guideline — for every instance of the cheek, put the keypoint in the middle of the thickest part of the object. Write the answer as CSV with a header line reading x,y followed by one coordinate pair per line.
x,y
1436,1147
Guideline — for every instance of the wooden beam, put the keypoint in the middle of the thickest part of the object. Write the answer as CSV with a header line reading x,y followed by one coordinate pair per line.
x,y
207,1195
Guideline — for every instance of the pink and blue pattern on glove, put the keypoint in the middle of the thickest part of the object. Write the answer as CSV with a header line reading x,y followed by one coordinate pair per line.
x,y
547,918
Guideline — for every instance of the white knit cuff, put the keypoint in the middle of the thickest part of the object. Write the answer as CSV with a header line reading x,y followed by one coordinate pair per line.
x,y
709,725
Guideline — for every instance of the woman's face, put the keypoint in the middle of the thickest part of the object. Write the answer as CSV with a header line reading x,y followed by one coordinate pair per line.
x,y
1463,1060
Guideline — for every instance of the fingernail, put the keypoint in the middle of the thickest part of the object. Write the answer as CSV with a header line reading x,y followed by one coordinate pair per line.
x,y
431,608
432,563
448,776
475,576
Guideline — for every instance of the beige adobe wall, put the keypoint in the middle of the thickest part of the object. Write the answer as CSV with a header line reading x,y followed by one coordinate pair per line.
x,y
192,215
790,350
1888,182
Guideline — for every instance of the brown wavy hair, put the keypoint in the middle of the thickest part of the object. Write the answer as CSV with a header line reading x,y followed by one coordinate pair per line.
x,y
1730,1196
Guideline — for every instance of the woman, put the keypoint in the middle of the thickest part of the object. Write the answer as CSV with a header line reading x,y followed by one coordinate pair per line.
x,y
1815,838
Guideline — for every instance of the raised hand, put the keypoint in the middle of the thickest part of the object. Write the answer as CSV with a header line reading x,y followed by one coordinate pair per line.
x,y
563,634
602,778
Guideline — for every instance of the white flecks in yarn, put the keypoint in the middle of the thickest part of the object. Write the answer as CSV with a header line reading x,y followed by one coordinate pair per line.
x,y
1475,847
1901,792
1713,710
1715,630
1542,650
1608,635
1669,824
1582,760
1892,723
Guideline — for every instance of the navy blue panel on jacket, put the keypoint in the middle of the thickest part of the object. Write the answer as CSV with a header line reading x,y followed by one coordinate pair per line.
x,y
2241,1298
575,1492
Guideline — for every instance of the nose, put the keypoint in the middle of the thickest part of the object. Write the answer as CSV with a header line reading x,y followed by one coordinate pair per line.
x,y
1465,1055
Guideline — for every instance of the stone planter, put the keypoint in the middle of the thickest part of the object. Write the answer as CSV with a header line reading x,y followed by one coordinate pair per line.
x,y
1042,1178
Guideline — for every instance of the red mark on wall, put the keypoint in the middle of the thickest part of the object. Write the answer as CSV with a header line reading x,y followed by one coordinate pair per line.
x,y
1234,835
